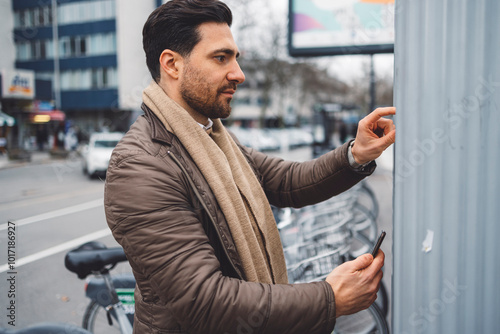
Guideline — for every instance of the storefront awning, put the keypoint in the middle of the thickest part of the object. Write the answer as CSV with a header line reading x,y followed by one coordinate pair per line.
x,y
46,116
6,119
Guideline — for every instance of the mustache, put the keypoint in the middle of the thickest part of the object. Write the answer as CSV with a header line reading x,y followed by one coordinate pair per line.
x,y
229,86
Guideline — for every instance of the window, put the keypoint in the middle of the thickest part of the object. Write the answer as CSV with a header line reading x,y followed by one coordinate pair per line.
x,y
33,17
72,45
36,16
29,19
43,51
23,51
75,46
95,78
79,46
83,79
104,77
34,50
49,47
65,80
83,46
18,18
100,44
86,11
42,19
105,80
74,80
48,15
64,47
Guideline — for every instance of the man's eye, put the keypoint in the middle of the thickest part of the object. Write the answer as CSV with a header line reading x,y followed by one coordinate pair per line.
x,y
221,58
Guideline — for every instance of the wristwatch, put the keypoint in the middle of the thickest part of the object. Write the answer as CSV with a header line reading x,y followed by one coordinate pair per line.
x,y
353,162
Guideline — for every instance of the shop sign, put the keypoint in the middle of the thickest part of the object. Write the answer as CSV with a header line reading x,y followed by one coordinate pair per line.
x,y
43,105
18,84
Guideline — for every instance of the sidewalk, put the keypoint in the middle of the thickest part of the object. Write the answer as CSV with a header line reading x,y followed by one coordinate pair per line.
x,y
36,158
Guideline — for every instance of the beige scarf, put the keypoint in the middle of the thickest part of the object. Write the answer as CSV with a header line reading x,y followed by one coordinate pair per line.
x,y
235,186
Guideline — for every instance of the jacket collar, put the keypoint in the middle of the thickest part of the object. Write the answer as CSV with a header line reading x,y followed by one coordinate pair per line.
x,y
158,131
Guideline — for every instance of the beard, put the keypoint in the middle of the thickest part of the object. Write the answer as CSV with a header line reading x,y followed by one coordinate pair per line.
x,y
202,97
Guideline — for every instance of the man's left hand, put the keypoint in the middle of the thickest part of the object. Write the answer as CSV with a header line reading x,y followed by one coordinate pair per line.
x,y
374,135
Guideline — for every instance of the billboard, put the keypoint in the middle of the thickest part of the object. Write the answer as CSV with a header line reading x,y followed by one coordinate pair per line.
x,y
18,84
340,27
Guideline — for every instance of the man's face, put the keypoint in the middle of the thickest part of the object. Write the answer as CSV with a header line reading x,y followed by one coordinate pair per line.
x,y
211,72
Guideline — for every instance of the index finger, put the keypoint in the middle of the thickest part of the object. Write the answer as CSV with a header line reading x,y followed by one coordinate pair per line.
x,y
380,112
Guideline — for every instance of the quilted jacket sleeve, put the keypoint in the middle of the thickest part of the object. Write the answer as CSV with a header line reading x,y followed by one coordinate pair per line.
x,y
297,184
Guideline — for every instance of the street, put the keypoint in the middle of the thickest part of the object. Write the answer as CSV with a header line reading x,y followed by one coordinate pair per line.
x,y
54,208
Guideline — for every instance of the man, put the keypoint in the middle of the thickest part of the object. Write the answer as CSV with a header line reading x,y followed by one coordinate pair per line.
x,y
190,206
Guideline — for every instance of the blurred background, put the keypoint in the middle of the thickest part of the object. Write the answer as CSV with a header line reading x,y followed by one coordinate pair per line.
x,y
80,69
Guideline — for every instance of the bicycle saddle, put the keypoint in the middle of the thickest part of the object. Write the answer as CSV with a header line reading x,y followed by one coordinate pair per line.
x,y
92,257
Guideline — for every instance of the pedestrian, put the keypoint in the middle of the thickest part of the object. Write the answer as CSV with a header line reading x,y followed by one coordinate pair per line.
x,y
41,137
191,206
70,139
3,145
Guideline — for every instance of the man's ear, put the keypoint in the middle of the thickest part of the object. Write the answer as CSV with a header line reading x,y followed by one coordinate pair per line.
x,y
171,63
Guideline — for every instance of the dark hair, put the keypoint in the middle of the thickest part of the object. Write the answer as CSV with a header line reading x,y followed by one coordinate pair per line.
x,y
174,26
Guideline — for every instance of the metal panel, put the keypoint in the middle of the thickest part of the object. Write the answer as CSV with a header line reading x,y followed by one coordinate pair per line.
x,y
447,157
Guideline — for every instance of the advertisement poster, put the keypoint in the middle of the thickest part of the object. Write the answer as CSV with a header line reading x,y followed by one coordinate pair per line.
x,y
320,24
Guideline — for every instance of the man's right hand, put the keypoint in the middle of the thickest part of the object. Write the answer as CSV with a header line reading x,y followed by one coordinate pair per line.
x,y
356,283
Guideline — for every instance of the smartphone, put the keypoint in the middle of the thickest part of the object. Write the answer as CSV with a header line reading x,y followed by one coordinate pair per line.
x,y
379,242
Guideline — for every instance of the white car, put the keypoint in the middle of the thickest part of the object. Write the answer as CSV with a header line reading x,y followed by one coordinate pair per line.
x,y
97,153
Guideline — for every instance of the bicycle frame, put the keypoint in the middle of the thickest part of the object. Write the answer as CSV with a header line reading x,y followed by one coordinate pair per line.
x,y
95,260
104,292
117,306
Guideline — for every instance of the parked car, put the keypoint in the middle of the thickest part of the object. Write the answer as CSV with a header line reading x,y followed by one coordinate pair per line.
x,y
256,138
97,153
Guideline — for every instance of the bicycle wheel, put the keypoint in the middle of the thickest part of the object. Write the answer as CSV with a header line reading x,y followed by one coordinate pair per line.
x,y
95,320
383,299
365,222
369,321
368,199
360,244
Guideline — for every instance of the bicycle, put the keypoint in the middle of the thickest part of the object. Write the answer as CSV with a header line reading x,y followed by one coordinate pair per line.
x,y
111,306
316,268
320,237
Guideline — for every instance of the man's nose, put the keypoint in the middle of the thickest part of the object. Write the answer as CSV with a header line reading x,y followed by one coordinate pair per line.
x,y
236,74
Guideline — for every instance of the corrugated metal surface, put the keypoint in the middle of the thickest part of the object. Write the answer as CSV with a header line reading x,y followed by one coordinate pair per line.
x,y
447,161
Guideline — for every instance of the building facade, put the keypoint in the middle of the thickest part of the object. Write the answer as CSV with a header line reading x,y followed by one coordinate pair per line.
x,y
90,50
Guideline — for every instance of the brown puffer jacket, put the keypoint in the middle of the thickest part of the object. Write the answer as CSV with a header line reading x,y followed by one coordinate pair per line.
x,y
189,276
